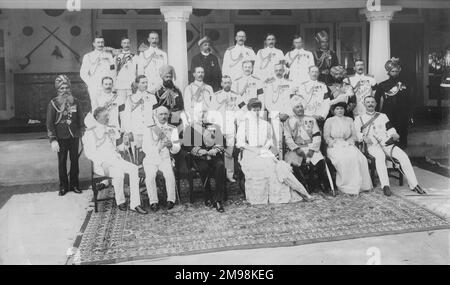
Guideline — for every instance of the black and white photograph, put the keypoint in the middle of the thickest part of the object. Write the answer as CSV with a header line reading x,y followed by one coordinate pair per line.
x,y
238,133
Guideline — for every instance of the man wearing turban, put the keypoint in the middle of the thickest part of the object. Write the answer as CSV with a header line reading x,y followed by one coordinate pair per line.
x,y
303,140
324,57
210,64
341,89
65,127
393,99
169,95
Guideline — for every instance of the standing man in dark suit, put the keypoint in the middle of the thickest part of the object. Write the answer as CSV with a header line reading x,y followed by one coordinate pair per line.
x,y
64,127
209,62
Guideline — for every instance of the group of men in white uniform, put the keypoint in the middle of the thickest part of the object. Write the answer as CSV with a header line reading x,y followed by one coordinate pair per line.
x,y
126,112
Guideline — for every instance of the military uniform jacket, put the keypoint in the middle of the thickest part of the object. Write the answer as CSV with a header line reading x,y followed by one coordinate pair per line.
x,y
95,66
64,122
316,98
277,95
233,58
299,61
196,95
302,132
153,142
205,136
149,62
248,86
325,60
265,60
139,112
393,98
213,73
380,129
362,85
126,66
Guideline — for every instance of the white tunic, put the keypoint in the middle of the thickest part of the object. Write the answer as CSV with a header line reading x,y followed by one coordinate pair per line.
x,y
232,60
111,99
196,96
265,60
128,71
139,112
312,94
362,86
299,61
277,96
376,131
149,62
94,67
248,86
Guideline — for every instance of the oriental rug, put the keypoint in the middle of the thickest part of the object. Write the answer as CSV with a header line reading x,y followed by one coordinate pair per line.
x,y
112,236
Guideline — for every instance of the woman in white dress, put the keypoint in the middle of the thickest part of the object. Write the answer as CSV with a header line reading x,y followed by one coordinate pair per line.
x,y
351,165
267,180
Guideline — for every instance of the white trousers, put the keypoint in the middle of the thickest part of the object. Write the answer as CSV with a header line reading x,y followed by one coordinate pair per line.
x,y
150,174
380,163
117,172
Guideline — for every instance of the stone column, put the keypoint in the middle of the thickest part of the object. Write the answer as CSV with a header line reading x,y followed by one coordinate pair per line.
x,y
176,18
379,38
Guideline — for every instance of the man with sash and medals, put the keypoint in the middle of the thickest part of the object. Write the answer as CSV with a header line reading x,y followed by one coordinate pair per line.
x,y
394,100
209,62
341,90
378,133
324,57
139,112
298,61
150,61
303,140
267,57
315,96
96,65
197,95
277,100
64,128
235,55
171,97
248,85
363,85
99,143
160,142
206,144
227,103
126,67
110,99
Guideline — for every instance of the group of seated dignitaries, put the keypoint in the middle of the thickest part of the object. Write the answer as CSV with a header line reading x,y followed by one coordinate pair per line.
x,y
278,112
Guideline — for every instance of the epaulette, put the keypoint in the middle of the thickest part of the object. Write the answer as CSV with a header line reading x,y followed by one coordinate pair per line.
x,y
255,77
230,48
215,93
171,126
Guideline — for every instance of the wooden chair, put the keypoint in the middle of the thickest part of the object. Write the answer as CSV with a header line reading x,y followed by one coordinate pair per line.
x,y
393,171
96,179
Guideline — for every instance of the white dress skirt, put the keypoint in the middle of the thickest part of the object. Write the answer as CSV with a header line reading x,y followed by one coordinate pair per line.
x,y
268,180
351,165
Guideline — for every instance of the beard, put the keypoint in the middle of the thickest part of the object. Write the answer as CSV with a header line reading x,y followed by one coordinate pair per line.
x,y
338,79
168,84
65,98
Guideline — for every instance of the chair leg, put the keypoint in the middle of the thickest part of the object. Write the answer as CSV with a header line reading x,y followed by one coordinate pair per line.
x,y
400,178
94,189
191,188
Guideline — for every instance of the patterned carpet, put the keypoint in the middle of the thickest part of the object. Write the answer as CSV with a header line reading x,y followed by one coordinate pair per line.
x,y
112,236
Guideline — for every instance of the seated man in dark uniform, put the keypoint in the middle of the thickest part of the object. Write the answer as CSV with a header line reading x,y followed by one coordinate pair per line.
x,y
206,144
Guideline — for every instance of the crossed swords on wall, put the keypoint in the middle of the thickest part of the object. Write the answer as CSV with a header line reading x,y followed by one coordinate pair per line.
x,y
51,33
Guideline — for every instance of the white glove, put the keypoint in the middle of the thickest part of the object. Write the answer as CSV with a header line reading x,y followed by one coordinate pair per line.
x,y
55,146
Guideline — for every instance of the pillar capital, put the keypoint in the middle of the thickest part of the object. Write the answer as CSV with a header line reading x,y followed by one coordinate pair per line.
x,y
176,13
380,13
